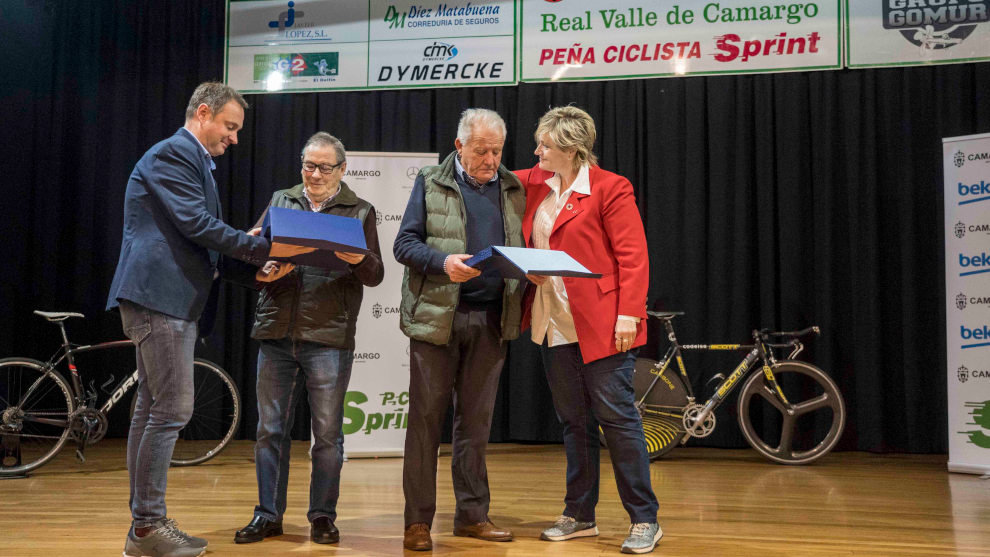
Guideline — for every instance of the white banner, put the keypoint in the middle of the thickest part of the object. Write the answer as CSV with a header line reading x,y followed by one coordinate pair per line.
x,y
377,401
325,45
589,39
912,32
967,310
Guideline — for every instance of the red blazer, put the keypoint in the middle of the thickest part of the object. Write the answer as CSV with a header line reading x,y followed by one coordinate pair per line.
x,y
604,232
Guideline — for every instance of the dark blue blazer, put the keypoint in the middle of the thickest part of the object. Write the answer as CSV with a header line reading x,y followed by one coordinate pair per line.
x,y
173,232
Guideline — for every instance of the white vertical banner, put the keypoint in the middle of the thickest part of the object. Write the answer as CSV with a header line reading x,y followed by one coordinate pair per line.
x,y
377,401
967,309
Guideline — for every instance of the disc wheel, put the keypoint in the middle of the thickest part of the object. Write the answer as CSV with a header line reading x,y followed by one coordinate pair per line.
x,y
803,429
660,399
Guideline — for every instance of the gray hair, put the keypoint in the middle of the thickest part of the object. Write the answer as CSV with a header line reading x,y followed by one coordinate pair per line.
x,y
323,139
215,96
475,117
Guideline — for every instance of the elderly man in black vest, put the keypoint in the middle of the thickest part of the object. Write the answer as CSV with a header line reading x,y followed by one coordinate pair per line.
x,y
305,322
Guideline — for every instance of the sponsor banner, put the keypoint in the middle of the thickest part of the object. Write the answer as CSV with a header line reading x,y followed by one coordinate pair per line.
x,y
377,402
432,62
589,39
967,309
912,32
324,45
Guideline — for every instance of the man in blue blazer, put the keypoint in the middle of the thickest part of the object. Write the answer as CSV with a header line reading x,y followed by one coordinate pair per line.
x,y
173,237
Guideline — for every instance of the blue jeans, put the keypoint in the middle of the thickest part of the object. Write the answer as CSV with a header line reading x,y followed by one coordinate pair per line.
x,y
285,368
165,346
584,396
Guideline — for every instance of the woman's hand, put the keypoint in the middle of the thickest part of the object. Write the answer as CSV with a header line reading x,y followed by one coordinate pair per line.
x,y
625,334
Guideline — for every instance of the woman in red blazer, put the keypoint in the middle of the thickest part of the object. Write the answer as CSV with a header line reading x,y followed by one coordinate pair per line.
x,y
588,329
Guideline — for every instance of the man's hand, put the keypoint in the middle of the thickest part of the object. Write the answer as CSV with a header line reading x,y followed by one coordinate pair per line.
x,y
352,258
457,270
254,232
274,270
538,280
625,334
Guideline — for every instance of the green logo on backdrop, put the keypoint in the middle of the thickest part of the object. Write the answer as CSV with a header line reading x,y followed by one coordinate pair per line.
x,y
394,18
355,419
981,417
308,64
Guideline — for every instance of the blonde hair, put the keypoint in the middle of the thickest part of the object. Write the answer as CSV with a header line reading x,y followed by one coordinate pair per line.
x,y
569,127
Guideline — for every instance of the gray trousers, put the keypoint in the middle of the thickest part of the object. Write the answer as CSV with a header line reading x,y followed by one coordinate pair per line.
x,y
467,369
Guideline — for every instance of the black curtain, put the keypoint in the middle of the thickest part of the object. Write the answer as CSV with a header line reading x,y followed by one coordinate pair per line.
x,y
778,200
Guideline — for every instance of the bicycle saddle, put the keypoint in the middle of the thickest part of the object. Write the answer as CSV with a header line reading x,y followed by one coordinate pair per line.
x,y
664,314
58,315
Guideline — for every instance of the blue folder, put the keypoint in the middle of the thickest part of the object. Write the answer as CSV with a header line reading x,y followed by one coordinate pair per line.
x,y
321,232
519,262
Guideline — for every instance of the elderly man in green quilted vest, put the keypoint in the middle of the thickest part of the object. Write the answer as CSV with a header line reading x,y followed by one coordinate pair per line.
x,y
458,320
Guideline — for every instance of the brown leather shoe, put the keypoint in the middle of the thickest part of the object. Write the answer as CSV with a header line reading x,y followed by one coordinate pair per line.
x,y
417,537
484,531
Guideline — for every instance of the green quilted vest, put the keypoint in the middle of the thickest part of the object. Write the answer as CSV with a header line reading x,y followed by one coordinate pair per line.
x,y
428,301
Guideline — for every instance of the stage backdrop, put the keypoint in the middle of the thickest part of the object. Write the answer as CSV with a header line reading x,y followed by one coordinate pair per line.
x,y
776,200
377,398
967,300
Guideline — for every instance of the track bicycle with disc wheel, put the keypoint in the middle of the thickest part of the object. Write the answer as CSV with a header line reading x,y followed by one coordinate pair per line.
x,y
40,410
790,411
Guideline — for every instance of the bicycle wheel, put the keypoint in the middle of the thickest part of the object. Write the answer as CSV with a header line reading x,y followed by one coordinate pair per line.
x,y
800,432
216,415
35,404
661,407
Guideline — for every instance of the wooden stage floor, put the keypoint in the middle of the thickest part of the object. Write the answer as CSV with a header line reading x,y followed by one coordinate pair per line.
x,y
712,502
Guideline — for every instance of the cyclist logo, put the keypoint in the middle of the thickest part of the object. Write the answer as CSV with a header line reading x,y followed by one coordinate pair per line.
x,y
961,301
959,159
376,310
981,417
963,374
960,230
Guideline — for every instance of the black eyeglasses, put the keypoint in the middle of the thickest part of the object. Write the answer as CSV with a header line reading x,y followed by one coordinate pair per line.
x,y
324,168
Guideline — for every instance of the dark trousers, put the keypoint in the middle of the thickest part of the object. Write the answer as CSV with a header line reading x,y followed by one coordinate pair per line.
x,y
467,369
586,396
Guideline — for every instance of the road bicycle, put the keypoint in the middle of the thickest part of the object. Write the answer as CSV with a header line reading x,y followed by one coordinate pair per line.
x,y
790,411
40,411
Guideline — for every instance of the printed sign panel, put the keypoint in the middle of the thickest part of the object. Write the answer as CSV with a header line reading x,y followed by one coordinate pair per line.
x,y
588,39
377,402
321,45
967,309
912,32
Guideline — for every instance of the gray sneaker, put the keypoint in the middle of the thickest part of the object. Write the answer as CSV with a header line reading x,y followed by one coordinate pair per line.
x,y
193,540
567,527
166,541
643,537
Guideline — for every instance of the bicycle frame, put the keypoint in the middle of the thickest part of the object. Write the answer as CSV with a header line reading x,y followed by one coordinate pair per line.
x,y
759,350
68,352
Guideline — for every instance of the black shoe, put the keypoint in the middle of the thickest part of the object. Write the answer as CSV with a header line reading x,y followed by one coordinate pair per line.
x,y
323,531
259,529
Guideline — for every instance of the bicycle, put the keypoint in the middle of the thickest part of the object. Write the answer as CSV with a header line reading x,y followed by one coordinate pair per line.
x,y
40,411
771,422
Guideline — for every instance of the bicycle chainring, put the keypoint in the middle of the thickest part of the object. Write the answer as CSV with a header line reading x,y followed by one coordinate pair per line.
x,y
89,423
694,429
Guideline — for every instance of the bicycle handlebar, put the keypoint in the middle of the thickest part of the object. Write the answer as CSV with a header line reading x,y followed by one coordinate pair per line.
x,y
794,334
